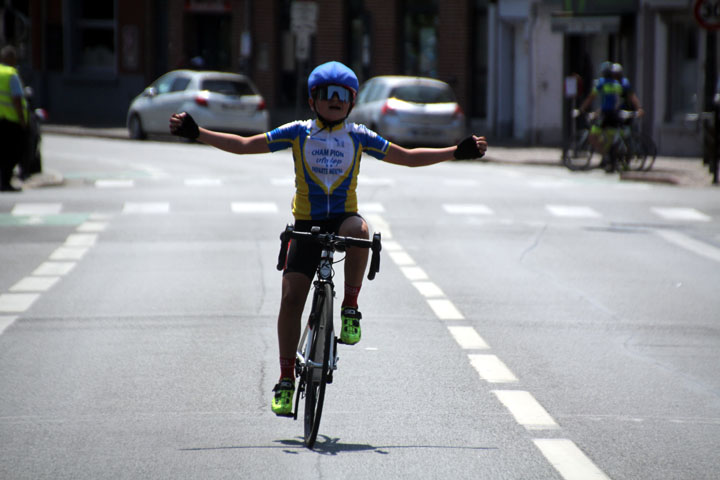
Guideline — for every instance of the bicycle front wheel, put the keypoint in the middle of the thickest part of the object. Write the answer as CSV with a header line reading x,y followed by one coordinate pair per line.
x,y
578,153
317,376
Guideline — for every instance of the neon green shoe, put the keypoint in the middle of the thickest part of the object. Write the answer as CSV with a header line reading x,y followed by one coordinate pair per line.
x,y
350,332
282,400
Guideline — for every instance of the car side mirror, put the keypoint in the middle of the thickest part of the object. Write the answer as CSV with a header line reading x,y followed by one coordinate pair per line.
x,y
150,92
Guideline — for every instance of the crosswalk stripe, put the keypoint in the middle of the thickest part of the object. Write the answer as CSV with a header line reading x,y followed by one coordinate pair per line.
x,y
36,208
467,209
203,182
114,183
572,211
146,207
679,213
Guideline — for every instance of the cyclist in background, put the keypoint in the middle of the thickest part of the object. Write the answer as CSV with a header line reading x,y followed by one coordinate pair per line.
x,y
609,91
327,152
629,99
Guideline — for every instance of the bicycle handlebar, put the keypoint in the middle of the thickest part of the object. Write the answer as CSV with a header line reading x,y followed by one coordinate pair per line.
x,y
332,242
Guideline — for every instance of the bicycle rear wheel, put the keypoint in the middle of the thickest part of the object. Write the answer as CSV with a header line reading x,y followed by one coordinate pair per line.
x,y
316,377
578,153
650,149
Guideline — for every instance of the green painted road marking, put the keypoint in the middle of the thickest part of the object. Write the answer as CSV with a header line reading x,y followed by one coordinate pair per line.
x,y
7,219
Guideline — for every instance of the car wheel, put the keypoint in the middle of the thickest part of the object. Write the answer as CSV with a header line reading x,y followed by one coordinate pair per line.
x,y
135,128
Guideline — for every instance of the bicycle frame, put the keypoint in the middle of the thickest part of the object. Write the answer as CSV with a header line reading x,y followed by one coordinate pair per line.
x,y
318,338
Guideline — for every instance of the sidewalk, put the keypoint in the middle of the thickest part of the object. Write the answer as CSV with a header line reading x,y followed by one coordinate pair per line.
x,y
685,171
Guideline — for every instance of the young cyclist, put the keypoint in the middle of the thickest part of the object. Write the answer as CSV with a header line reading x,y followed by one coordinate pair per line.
x,y
327,153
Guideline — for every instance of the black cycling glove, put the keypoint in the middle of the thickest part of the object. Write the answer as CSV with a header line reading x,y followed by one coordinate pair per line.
x,y
187,129
467,149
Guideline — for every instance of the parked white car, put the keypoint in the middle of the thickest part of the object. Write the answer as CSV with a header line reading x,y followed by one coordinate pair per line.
x,y
410,111
226,102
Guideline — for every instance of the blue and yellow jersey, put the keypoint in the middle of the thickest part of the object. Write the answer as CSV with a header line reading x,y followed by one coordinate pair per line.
x,y
327,163
609,90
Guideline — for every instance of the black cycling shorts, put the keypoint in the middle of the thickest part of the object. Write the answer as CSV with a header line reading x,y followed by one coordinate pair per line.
x,y
304,257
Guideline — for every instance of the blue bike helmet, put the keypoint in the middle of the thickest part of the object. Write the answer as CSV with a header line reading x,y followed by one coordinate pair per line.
x,y
333,73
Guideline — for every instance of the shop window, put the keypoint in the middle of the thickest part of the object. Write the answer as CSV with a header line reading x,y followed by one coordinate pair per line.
x,y
683,68
92,40
420,30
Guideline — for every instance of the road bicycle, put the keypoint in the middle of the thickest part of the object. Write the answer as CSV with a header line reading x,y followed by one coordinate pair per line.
x,y
628,149
316,359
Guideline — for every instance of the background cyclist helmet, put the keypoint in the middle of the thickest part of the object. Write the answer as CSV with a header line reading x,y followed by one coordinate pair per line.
x,y
606,69
333,74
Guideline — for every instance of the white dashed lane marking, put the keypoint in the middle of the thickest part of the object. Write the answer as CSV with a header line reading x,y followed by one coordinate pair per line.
x,y
5,322
34,284
527,411
468,338
569,460
492,369
17,302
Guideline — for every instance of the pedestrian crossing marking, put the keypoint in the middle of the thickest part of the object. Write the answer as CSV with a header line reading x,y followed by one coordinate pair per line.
x,y
114,183
572,211
146,207
467,209
679,213
203,182
36,209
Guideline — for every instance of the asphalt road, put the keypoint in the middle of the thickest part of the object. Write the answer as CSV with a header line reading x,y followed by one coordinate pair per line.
x,y
527,323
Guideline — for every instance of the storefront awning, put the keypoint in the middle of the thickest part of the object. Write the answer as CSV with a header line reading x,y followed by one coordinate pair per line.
x,y
585,25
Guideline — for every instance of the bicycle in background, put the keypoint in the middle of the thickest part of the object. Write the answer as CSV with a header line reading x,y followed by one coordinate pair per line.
x,y
627,148
316,359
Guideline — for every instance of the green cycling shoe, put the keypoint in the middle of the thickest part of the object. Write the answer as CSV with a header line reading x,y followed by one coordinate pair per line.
x,y
283,398
350,332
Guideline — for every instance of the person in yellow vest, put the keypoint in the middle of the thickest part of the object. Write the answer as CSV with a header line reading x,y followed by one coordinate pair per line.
x,y
13,118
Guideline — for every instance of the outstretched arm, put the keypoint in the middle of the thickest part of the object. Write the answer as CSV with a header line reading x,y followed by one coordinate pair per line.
x,y
182,124
470,147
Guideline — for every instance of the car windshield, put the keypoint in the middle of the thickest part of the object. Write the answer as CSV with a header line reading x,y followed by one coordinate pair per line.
x,y
423,94
226,86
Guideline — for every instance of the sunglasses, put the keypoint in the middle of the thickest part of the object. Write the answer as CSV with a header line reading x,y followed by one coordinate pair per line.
x,y
328,92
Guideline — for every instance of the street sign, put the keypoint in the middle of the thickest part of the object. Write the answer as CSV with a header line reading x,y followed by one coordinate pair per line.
x,y
303,17
707,13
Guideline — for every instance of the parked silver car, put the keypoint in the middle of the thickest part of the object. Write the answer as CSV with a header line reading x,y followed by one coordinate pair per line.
x,y
225,102
412,111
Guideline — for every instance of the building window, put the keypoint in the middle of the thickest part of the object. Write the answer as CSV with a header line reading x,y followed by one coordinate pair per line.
x,y
92,36
420,29
480,60
683,67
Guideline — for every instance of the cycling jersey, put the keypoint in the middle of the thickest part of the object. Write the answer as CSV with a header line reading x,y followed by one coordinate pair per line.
x,y
609,91
327,163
